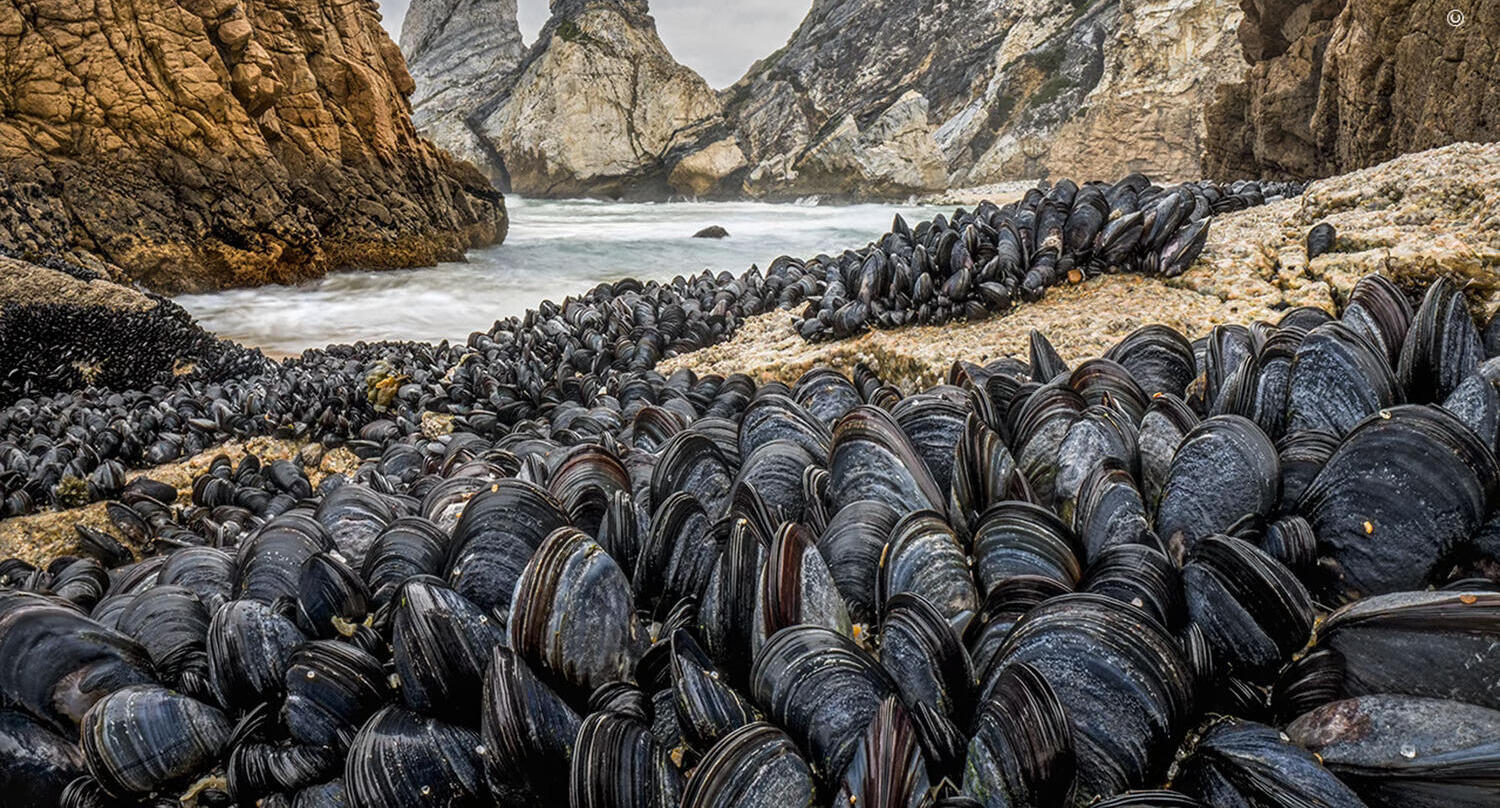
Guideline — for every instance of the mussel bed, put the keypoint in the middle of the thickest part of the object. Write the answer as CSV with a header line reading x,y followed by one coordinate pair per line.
x,y
1255,567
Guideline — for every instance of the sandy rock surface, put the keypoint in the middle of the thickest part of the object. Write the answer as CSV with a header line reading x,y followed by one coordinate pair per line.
x,y
1422,215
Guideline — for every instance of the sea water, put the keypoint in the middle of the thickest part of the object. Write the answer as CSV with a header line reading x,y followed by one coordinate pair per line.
x,y
555,248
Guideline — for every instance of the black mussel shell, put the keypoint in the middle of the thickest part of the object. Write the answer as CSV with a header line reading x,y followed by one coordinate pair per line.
x,y
1224,470
1022,749
1401,496
1253,611
1242,764
440,646
1407,752
756,766
36,764
144,737
888,769
823,688
401,758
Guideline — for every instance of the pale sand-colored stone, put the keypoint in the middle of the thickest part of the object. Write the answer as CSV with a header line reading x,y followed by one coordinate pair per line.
x,y
1417,217
49,534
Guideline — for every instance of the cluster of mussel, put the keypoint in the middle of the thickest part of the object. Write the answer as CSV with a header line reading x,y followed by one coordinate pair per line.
x,y
981,262
69,448
1033,585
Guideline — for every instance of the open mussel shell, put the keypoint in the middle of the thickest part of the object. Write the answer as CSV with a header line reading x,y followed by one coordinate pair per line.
x,y
888,769
1022,748
55,663
1123,683
171,623
872,459
617,764
143,737
707,707
924,557
756,766
1225,469
528,730
823,688
249,649
1337,379
1405,491
573,615
925,658
852,544
499,530
1440,644
1407,752
440,646
1242,764
1253,611
331,688
401,758
36,764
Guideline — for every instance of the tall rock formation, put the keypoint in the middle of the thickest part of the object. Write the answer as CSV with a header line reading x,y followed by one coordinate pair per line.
x,y
970,92
460,53
598,107
1337,85
199,144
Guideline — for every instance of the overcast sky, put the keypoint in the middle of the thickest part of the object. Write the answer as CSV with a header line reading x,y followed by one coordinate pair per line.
x,y
718,39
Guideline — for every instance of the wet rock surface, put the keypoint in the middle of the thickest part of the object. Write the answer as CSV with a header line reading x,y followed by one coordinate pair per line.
x,y
201,145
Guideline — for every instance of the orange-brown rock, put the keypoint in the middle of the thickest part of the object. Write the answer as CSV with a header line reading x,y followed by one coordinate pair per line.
x,y
201,144
1338,85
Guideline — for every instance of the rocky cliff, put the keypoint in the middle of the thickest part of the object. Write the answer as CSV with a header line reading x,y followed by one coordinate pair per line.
x,y
460,53
198,144
869,99
970,92
1336,85
598,107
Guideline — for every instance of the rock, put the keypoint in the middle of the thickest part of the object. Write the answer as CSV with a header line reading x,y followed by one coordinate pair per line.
x,y
979,91
199,145
598,107
460,53
1413,219
1338,85
64,327
712,231
704,171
